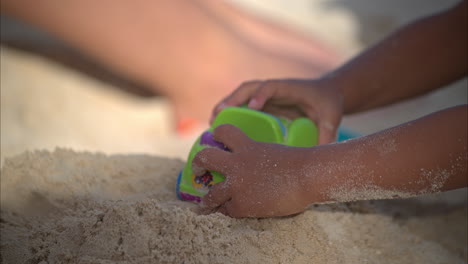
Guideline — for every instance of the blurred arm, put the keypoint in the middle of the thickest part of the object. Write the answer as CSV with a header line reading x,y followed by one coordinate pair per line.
x,y
420,57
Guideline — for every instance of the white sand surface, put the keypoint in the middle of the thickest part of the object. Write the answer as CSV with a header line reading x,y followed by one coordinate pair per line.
x,y
69,207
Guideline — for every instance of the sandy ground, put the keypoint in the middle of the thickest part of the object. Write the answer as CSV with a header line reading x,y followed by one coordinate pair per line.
x,y
68,206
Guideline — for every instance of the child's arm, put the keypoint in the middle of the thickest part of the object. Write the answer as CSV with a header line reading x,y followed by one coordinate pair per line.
x,y
423,156
426,155
420,57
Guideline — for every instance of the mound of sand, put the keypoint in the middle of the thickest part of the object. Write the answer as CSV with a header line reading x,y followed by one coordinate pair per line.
x,y
68,207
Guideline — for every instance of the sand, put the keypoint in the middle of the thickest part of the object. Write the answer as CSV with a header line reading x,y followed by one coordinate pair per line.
x,y
81,207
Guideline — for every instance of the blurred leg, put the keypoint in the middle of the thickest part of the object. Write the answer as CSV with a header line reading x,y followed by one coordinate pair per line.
x,y
194,52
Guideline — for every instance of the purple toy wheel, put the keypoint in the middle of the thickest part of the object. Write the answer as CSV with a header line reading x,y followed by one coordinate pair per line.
x,y
207,139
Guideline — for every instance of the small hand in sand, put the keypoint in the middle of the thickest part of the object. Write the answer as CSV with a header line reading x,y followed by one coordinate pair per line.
x,y
262,179
292,98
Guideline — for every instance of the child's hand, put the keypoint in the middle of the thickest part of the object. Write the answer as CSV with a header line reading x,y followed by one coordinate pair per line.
x,y
291,98
262,179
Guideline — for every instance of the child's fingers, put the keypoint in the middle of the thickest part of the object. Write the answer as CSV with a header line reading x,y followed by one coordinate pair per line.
x,y
327,133
216,197
328,127
231,208
231,136
210,159
260,96
324,127
277,90
240,96
327,124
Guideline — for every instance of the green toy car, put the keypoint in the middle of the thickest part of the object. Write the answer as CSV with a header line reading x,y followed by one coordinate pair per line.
x,y
259,126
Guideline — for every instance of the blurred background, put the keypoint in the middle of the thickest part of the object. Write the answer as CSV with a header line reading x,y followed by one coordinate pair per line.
x,y
119,79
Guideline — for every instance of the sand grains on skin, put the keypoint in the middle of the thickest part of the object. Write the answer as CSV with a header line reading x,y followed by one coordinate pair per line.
x,y
69,207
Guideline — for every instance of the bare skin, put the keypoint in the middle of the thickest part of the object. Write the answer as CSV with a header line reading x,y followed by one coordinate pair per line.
x,y
434,52
424,156
264,180
182,49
